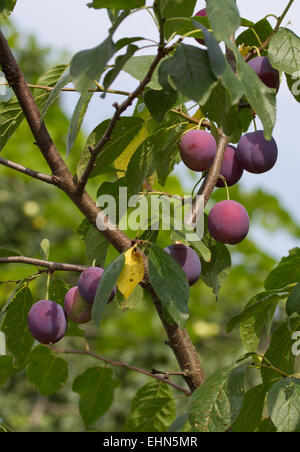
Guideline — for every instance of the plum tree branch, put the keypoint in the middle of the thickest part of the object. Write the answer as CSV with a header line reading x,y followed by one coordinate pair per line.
x,y
29,172
51,266
127,366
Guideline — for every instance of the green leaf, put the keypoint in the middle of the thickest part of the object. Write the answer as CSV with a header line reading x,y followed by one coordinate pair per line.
x,y
216,271
152,409
261,98
140,166
252,410
293,301
50,78
88,65
121,60
108,281
170,284
284,51
77,119
284,405
96,246
124,132
181,424
116,4
6,8
215,405
287,272
131,302
45,248
96,388
223,17
19,340
46,371
57,292
189,69
159,102
138,67
6,368
171,8
64,80
261,29
280,351
293,83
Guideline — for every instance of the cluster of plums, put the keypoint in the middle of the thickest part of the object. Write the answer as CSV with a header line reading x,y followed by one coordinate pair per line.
x,y
47,320
228,221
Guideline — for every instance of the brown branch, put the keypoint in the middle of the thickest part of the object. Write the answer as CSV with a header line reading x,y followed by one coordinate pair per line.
x,y
28,171
127,366
192,120
52,266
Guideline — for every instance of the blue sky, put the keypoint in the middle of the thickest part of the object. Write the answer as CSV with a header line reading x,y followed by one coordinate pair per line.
x,y
70,25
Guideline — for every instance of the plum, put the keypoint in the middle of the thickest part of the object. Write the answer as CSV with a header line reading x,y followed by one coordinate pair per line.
x,y
201,13
268,75
47,321
187,259
255,153
198,149
76,307
228,222
88,284
231,168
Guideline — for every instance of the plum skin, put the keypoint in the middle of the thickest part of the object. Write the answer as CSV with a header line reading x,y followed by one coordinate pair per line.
x,y
201,13
228,222
268,75
255,153
76,307
188,260
88,284
198,149
231,169
47,321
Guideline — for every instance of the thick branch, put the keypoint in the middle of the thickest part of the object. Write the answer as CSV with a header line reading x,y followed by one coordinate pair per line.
x,y
27,171
127,366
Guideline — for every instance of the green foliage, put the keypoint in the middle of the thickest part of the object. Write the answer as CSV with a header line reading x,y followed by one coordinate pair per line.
x,y
223,17
152,409
284,51
116,4
170,284
283,404
287,272
100,383
251,413
255,35
46,371
215,405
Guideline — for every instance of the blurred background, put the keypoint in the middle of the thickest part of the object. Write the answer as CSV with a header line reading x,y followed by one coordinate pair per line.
x,y
43,34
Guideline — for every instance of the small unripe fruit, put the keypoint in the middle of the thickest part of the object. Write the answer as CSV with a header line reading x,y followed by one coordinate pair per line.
x,y
88,284
228,222
47,321
201,13
187,259
231,169
255,153
268,75
198,149
76,307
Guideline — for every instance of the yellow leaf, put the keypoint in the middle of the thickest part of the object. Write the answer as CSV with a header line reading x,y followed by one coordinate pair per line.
x,y
244,50
132,273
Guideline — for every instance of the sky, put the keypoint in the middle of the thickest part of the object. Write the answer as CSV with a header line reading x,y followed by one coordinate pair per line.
x,y
70,25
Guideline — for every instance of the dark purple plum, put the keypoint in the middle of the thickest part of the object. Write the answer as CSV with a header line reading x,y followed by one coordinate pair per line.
x,y
88,284
201,13
268,75
187,259
255,153
228,222
198,149
76,307
47,321
231,168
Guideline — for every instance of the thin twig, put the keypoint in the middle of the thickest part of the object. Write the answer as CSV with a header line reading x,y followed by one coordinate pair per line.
x,y
28,171
52,266
125,365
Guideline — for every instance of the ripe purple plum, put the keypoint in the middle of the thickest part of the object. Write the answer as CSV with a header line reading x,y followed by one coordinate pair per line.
x,y
228,222
187,259
88,284
76,307
255,153
201,13
231,169
268,75
47,321
198,149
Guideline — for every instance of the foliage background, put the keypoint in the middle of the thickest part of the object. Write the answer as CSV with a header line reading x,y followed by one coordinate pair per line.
x,y
32,211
